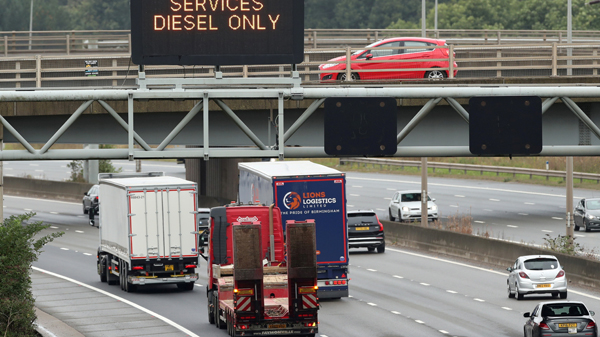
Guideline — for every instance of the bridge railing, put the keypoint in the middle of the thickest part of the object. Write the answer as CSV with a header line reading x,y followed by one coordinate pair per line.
x,y
474,61
69,42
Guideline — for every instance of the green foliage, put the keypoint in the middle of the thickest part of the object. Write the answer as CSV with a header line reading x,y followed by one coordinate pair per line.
x,y
561,244
18,250
104,166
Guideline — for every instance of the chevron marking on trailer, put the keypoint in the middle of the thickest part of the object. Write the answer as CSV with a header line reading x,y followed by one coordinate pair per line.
x,y
309,301
244,304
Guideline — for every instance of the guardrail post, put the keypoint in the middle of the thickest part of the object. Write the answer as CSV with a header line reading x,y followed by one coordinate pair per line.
x,y
114,73
348,65
595,63
18,74
314,39
554,59
499,37
38,71
68,44
5,45
451,61
129,39
245,71
307,68
499,63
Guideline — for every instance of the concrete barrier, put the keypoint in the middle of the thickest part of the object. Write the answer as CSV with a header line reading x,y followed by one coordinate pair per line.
x,y
45,189
496,252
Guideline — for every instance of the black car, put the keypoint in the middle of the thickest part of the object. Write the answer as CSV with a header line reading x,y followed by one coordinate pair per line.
x,y
365,230
587,214
90,199
568,318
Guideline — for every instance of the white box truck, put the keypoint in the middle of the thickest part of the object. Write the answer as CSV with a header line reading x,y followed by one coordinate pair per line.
x,y
148,230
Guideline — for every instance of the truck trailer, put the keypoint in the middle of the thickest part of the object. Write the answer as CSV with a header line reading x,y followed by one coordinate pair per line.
x,y
258,285
305,190
148,230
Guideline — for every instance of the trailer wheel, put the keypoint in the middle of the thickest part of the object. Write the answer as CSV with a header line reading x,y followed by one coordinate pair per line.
x,y
210,308
186,286
121,283
102,269
218,323
130,288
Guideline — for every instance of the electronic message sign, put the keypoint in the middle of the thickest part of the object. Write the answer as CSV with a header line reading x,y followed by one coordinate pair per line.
x,y
217,32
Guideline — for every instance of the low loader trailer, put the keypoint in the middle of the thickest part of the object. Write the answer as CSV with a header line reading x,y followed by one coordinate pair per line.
x,y
260,289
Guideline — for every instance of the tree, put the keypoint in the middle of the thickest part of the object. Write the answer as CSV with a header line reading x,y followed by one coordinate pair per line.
x,y
104,166
18,250
100,14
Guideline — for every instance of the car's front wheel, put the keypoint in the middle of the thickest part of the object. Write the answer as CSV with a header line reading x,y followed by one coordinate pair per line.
x,y
510,294
436,74
343,77
575,227
391,216
587,226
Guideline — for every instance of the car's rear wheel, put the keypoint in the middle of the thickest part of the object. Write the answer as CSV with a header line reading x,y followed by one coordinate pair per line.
x,y
343,77
576,228
436,74
563,295
381,248
391,216
510,294
518,294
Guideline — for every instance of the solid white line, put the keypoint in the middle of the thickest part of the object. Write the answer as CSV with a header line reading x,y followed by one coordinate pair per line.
x,y
139,307
53,212
372,269
372,304
27,209
512,226
34,164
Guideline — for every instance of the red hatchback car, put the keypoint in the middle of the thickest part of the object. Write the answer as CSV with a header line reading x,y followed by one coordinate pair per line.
x,y
368,61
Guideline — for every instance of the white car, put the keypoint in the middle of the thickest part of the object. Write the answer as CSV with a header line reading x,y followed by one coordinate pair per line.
x,y
406,206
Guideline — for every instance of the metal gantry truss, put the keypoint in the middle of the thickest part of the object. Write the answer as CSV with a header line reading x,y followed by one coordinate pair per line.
x,y
273,89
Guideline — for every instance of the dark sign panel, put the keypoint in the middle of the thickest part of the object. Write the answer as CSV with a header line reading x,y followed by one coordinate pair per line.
x,y
360,126
505,125
217,32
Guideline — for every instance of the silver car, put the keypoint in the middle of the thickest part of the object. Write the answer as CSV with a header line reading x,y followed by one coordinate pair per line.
x,y
560,318
406,206
536,274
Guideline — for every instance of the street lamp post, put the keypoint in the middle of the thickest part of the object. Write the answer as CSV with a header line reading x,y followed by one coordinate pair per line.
x,y
436,16
30,22
423,26
569,37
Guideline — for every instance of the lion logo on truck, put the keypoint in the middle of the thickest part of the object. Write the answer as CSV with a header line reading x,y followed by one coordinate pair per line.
x,y
291,200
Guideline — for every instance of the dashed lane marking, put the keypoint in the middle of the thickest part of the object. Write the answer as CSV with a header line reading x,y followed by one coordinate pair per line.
x,y
396,313
425,284
419,321
451,291
88,254
53,212
453,205
53,227
556,218
459,196
372,270
506,308
372,304
479,221
494,199
523,214
512,226
77,231
380,209
65,248
546,231
27,209
478,300
488,210
397,276
443,331
579,235
530,203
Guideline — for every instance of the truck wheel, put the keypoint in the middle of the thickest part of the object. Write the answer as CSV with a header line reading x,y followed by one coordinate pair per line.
x,y
101,269
186,286
111,279
218,323
121,283
130,288
211,314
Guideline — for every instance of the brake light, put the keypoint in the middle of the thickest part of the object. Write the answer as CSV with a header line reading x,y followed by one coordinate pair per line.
x,y
137,268
308,325
560,273
544,326
379,222
523,275
243,326
96,198
190,266
590,325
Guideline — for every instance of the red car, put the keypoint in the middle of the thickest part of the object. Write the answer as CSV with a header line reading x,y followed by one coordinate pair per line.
x,y
406,59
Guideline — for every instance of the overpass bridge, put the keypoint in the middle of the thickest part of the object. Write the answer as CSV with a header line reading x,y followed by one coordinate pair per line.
x,y
221,117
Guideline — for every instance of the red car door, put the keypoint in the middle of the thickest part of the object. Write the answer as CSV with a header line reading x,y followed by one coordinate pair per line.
x,y
380,58
415,57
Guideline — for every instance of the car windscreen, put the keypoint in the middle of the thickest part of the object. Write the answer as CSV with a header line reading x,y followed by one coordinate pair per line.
x,y
541,264
564,309
593,204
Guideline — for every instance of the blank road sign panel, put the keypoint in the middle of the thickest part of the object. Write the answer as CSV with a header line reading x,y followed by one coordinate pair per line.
x,y
217,32
505,125
360,126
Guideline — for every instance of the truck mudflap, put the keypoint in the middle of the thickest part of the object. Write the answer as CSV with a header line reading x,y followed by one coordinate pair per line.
x,y
274,329
142,280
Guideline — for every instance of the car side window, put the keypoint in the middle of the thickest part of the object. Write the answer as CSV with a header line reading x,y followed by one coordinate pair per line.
x,y
535,311
386,52
396,196
423,46
516,265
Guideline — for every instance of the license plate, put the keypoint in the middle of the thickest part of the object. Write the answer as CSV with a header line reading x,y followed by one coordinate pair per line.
x,y
362,228
276,326
168,267
567,325
545,285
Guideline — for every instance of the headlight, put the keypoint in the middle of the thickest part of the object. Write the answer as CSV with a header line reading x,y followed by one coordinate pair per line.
x,y
405,209
434,208
328,65
591,217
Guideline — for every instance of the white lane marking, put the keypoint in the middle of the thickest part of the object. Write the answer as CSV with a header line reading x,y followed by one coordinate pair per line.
x,y
579,235
479,221
458,195
523,214
349,205
494,199
397,276
512,226
506,308
372,304
380,209
53,212
150,312
39,170
473,267
88,254
357,186
530,203
46,331
488,210
372,269
34,164
556,218
443,331
451,291
199,285
395,313
387,198
77,231
453,205
546,231
355,195
46,200
464,187
53,227
419,321
27,209
350,296
478,300
425,284
65,248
